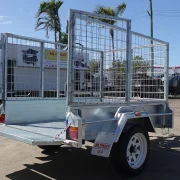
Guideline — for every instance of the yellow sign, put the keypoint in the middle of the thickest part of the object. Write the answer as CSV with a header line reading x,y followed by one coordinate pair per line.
x,y
52,55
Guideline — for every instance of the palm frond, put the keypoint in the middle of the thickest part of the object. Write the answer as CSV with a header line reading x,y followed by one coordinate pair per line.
x,y
120,9
47,16
105,11
44,20
100,9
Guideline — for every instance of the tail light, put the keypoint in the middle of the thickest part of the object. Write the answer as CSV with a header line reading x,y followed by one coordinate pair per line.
x,y
2,118
137,114
72,133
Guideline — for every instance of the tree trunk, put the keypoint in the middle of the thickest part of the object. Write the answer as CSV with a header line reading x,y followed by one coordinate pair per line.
x,y
55,38
59,28
55,33
59,34
112,37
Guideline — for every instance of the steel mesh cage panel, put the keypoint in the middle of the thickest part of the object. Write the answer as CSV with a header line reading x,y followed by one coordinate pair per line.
x,y
109,63
34,68
50,73
23,77
148,67
97,57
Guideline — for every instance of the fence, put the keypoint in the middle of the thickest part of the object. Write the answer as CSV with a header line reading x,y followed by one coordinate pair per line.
x,y
118,62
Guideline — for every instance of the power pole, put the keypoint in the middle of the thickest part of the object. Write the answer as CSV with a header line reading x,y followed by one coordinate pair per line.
x,y
150,12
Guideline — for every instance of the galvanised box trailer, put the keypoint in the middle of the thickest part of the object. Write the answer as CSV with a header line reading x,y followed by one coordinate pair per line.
x,y
116,120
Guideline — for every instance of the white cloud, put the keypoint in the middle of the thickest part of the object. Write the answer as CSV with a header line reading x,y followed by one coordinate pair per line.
x,y
2,17
6,22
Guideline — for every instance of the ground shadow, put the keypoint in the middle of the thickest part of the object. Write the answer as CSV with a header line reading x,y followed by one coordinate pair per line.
x,y
70,163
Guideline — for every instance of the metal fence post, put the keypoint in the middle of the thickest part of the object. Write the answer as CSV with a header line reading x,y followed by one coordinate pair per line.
x,y
5,66
2,65
70,59
128,62
58,69
166,73
42,69
101,76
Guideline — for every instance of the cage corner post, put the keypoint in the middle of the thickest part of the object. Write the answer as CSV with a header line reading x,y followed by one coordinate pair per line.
x,y
70,58
5,66
2,51
128,62
101,77
58,70
166,73
42,70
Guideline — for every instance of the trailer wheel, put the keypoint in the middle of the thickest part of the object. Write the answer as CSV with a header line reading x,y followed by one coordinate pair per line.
x,y
49,148
130,154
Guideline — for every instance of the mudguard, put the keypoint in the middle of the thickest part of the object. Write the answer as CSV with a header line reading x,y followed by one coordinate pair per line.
x,y
105,139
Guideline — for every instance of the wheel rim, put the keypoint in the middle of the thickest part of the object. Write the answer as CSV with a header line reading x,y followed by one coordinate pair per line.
x,y
137,150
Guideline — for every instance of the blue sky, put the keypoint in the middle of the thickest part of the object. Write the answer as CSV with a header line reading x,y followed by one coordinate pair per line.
x,y
18,17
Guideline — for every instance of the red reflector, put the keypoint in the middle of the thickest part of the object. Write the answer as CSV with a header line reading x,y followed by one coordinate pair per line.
x,y
2,118
137,113
73,133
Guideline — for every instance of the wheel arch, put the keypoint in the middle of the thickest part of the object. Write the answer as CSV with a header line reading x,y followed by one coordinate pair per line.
x,y
129,121
144,121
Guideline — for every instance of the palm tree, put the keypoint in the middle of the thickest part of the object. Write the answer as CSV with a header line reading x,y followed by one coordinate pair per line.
x,y
64,38
110,12
48,18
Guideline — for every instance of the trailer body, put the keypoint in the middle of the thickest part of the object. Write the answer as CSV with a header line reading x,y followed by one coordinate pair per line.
x,y
110,106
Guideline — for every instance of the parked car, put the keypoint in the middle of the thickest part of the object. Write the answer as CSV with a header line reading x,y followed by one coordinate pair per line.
x,y
146,86
174,84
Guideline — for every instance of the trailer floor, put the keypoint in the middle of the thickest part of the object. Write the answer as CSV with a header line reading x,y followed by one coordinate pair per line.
x,y
41,133
50,128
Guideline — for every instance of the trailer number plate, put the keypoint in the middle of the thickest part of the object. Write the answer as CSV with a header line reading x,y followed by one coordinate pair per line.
x,y
101,147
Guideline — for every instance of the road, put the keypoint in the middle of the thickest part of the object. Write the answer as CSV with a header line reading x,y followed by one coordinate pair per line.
x,y
19,161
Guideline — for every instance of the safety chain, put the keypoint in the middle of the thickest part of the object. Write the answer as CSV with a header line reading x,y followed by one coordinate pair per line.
x,y
63,131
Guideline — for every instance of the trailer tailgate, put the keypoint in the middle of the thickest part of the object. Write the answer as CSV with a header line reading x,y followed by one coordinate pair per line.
x,y
29,135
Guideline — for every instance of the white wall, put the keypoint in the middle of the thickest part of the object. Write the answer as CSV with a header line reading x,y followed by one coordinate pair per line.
x,y
174,70
29,79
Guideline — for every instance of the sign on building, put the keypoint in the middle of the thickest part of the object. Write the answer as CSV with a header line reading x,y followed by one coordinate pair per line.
x,y
29,56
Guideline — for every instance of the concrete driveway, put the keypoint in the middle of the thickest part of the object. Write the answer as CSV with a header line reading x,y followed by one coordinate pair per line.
x,y
20,161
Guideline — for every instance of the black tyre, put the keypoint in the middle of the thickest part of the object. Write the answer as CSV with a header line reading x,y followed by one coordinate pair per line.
x,y
49,148
130,154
